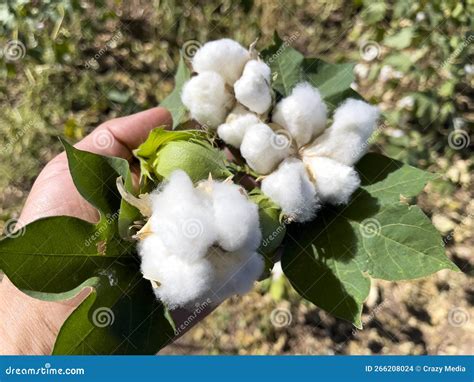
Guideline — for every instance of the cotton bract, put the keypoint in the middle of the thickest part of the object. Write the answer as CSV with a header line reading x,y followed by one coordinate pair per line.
x,y
263,149
226,57
253,88
200,242
347,139
302,113
207,98
290,187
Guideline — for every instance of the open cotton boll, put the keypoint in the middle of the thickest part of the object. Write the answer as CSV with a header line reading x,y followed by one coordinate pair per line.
x,y
302,113
253,88
232,132
182,217
263,149
291,189
226,57
334,181
347,139
235,217
207,98
234,272
177,281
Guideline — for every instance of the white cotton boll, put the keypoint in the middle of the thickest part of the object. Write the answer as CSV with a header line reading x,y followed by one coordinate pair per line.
x,y
179,282
207,98
232,132
291,189
253,88
302,113
226,57
334,181
182,217
347,139
234,272
263,149
235,217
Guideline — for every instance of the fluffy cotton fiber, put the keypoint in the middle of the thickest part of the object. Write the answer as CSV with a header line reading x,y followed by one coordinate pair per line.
x,y
235,218
253,88
207,98
263,149
346,140
290,187
302,113
226,57
232,132
200,241
334,181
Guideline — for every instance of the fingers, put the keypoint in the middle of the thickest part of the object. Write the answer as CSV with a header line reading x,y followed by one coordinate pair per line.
x,y
120,136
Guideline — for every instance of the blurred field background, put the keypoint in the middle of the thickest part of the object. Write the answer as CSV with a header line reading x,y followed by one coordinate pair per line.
x,y
68,65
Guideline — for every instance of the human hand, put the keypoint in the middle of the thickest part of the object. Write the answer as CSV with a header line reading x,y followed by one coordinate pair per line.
x,y
30,326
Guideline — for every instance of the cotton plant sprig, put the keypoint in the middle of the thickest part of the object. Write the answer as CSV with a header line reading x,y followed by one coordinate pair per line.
x,y
303,163
205,225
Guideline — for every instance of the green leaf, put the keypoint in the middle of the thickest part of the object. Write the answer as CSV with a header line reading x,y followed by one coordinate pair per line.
x,y
120,316
328,261
95,178
56,254
289,67
50,267
285,63
388,179
173,101
332,80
